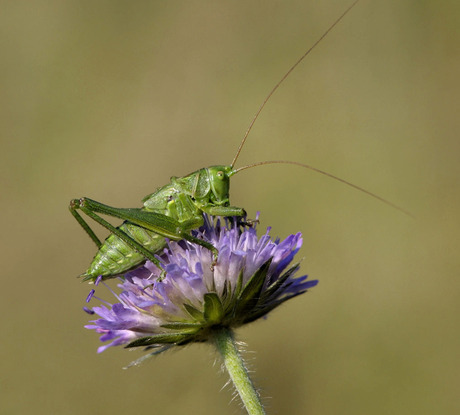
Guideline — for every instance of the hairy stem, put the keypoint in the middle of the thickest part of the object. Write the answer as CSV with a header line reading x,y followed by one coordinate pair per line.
x,y
234,364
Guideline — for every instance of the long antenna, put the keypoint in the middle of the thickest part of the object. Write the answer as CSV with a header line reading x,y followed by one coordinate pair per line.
x,y
325,173
283,78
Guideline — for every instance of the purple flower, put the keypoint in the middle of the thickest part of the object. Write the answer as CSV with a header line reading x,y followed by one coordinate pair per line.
x,y
252,277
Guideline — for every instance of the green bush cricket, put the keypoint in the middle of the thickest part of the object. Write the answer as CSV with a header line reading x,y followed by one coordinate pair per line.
x,y
174,210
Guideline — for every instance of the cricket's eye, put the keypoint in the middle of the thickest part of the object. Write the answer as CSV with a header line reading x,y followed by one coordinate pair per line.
x,y
220,174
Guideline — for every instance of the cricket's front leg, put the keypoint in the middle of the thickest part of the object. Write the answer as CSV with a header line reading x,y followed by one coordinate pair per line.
x,y
224,210
189,218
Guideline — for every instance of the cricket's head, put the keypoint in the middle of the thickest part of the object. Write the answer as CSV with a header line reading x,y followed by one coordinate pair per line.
x,y
219,179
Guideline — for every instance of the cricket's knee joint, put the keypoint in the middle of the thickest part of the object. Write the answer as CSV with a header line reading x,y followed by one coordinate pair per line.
x,y
74,204
83,201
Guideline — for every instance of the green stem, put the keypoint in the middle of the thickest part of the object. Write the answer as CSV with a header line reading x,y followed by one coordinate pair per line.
x,y
234,364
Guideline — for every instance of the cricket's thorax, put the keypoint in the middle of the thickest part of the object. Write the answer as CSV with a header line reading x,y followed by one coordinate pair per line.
x,y
204,187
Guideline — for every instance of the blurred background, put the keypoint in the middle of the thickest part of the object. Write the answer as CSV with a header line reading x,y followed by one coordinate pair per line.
x,y
109,99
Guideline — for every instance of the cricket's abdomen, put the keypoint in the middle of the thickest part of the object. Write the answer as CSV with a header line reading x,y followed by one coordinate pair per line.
x,y
116,257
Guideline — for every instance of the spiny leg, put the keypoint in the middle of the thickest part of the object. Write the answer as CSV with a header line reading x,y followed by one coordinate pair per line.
x,y
224,210
73,206
228,211
183,233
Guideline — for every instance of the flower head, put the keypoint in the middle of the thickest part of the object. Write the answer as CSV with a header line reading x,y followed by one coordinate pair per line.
x,y
252,277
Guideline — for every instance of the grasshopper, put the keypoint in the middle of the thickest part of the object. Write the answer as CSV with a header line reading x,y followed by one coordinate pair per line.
x,y
174,210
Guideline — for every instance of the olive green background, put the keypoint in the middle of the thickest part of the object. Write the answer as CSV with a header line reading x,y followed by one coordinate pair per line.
x,y
108,99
